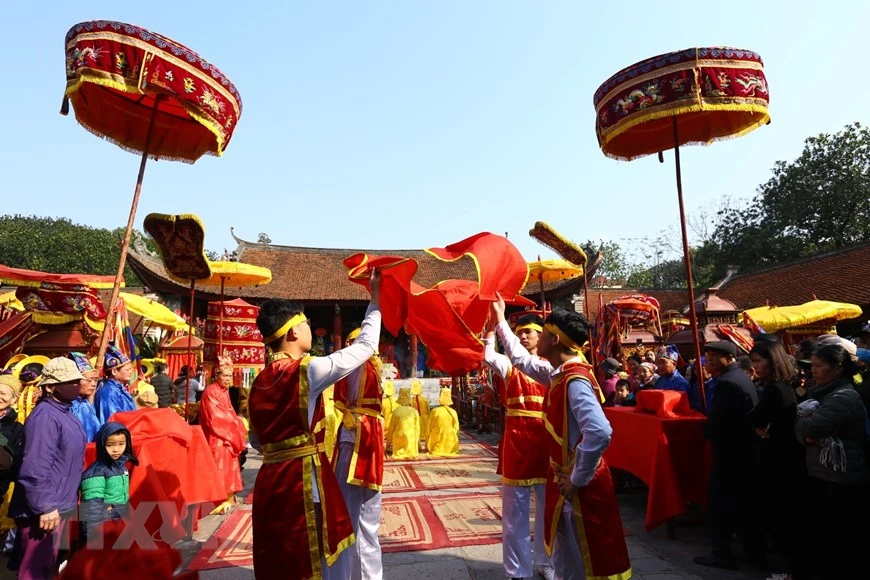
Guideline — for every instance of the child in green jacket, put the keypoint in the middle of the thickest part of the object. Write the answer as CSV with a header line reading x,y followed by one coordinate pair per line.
x,y
105,488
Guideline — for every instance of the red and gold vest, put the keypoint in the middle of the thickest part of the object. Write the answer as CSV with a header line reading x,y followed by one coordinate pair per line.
x,y
284,524
521,461
363,416
597,522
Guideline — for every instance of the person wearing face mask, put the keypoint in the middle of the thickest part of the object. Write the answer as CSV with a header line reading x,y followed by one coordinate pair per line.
x,y
224,430
46,492
82,407
112,396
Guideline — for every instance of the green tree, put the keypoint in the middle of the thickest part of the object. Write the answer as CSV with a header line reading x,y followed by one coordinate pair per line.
x,y
818,202
613,269
60,246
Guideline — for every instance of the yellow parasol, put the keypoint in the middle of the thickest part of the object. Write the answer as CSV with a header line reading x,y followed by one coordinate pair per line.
x,y
153,311
236,274
552,271
774,319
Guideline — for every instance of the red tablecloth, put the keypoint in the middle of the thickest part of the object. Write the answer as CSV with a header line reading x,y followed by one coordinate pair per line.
x,y
669,455
176,469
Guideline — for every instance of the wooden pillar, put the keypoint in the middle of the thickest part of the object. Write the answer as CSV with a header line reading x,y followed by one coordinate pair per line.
x,y
336,328
412,354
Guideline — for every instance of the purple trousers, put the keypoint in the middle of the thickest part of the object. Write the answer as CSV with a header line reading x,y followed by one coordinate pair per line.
x,y
38,549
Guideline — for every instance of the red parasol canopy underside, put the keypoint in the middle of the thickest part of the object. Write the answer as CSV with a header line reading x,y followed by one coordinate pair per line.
x,y
716,93
117,73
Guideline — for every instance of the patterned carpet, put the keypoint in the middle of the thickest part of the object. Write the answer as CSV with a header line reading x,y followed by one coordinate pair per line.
x,y
411,518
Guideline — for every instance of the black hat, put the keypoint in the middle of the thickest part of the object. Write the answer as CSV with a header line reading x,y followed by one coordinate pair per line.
x,y
610,365
723,346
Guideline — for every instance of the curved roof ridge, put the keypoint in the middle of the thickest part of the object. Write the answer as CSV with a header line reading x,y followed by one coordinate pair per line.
x,y
310,249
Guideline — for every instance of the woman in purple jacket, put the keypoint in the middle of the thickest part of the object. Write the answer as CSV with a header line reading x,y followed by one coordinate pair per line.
x,y
46,492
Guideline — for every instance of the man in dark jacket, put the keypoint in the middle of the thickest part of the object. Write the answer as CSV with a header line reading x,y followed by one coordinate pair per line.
x,y
728,430
163,386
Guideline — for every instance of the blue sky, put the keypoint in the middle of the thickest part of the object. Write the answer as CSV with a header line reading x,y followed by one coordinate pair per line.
x,y
414,124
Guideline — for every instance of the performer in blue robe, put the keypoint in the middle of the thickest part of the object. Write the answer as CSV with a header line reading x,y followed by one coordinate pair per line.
x,y
82,407
112,396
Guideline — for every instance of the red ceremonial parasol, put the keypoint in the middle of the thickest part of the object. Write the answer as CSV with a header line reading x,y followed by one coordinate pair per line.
x,y
147,94
693,96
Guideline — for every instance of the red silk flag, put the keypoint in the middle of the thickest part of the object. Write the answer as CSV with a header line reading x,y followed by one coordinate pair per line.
x,y
449,316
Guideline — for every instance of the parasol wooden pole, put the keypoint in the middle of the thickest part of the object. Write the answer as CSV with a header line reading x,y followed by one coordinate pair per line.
x,y
116,288
220,351
593,355
687,257
189,352
413,351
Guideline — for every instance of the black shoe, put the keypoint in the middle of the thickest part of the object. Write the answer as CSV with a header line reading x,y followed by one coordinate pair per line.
x,y
715,561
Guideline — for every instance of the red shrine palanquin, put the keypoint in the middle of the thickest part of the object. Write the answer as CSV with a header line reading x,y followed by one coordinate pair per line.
x,y
285,535
241,342
596,512
363,416
520,453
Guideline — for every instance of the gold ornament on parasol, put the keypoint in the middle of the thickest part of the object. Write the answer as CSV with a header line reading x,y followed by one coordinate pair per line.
x,y
693,96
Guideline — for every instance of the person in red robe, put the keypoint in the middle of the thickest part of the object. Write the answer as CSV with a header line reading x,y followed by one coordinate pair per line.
x,y
359,465
583,529
224,430
300,522
522,465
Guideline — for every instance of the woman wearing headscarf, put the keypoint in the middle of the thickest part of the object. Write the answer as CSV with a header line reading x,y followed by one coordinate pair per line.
x,y
46,492
646,376
831,424
443,437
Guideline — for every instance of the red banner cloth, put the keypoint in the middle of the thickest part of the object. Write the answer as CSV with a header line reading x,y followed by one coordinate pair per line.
x,y
448,316
176,469
671,456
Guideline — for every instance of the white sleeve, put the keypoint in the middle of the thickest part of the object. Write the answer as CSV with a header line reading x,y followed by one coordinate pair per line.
x,y
533,366
324,371
593,425
499,363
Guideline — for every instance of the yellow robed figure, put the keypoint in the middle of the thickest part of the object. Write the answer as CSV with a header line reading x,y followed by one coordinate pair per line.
x,y
388,404
404,430
421,403
443,437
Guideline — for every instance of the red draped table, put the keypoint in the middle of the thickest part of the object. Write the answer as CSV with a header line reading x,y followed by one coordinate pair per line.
x,y
669,455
